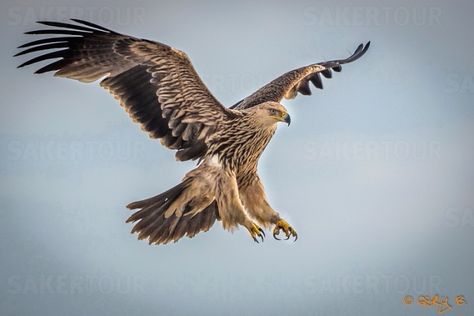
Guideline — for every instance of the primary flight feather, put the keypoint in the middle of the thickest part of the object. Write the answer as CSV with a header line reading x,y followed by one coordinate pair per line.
x,y
159,88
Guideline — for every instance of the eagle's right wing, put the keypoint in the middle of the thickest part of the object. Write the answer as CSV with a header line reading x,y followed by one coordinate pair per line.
x,y
155,83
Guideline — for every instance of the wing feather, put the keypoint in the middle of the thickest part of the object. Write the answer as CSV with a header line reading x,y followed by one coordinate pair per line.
x,y
289,84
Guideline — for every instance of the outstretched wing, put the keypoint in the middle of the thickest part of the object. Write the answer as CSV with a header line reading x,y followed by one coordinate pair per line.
x,y
155,83
288,85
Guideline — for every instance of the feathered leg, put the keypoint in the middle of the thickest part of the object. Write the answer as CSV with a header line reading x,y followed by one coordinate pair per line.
x,y
253,197
231,209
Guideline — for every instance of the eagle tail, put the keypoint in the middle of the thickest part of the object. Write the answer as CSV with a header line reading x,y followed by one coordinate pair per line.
x,y
154,224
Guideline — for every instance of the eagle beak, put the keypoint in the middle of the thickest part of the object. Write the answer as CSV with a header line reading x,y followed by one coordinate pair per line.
x,y
287,119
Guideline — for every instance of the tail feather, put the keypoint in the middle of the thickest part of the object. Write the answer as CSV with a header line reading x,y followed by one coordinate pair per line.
x,y
149,217
174,191
180,230
152,224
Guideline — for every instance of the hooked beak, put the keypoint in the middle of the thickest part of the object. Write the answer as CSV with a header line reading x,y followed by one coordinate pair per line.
x,y
287,119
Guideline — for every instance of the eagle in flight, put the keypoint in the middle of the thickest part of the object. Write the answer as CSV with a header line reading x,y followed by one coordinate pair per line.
x,y
159,88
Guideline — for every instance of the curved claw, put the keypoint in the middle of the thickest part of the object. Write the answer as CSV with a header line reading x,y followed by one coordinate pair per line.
x,y
261,233
287,229
293,233
255,232
276,232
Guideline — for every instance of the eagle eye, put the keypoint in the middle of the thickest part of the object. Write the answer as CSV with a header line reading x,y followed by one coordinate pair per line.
x,y
274,112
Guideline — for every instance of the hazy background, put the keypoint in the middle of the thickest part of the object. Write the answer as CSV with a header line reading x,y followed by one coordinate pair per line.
x,y
375,173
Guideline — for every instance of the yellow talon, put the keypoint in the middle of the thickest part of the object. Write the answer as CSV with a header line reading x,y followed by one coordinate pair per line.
x,y
255,231
281,224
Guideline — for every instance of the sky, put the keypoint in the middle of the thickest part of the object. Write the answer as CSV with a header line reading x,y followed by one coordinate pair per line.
x,y
375,172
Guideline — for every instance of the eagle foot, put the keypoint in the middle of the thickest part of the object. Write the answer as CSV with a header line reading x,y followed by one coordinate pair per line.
x,y
255,231
281,224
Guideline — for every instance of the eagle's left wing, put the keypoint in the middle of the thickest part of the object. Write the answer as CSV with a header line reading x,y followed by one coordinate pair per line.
x,y
289,84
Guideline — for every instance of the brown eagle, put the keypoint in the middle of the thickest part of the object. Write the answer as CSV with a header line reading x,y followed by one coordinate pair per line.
x,y
159,88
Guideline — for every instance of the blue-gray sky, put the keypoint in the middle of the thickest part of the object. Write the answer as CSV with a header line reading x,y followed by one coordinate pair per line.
x,y
375,172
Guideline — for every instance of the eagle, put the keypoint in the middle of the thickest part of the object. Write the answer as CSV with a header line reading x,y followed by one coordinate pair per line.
x,y
161,91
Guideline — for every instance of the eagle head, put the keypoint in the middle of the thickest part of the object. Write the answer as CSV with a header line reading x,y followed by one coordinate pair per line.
x,y
270,113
